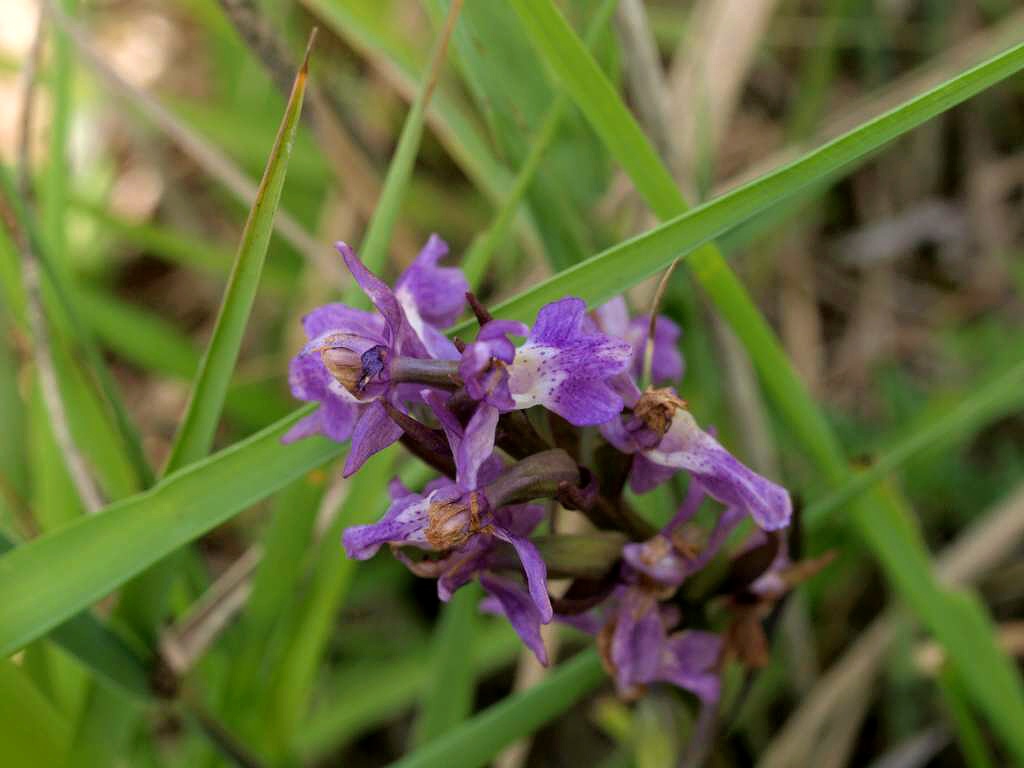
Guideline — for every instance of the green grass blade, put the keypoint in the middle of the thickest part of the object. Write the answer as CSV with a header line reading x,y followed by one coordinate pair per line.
x,y
581,76
449,698
137,335
374,249
364,695
480,251
986,402
361,26
479,739
97,648
197,428
43,586
332,576
969,734
32,731
62,311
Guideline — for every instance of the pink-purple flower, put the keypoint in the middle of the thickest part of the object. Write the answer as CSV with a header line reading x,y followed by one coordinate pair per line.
x,y
393,373
345,364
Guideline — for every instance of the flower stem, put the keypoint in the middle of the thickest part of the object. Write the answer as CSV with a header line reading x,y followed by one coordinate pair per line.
x,y
442,374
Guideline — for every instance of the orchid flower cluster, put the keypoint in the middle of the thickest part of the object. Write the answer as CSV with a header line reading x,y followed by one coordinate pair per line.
x,y
526,416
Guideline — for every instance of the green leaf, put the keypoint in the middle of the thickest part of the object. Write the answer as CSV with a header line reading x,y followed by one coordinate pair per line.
x,y
363,695
32,731
986,402
43,586
448,700
479,739
98,649
199,424
480,251
364,502
285,542
364,27
374,249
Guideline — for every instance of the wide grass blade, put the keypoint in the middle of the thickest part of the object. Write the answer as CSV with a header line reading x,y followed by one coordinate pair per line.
x,y
478,740
197,428
43,586
98,649
32,731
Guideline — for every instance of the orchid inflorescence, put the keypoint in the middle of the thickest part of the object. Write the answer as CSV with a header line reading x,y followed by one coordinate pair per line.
x,y
512,426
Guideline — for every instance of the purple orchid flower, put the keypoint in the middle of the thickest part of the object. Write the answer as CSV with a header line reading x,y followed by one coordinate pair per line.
x,y
638,647
566,366
667,363
668,559
458,520
344,366
665,438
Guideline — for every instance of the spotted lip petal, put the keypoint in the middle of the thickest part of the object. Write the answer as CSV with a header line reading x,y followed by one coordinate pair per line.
x,y
566,367
686,446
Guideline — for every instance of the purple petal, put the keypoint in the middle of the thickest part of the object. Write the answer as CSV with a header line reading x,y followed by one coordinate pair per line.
x,y
535,569
403,339
341,318
512,600
519,519
374,431
397,489
725,479
647,475
310,381
566,369
658,559
667,362
559,322
637,640
376,289
438,402
463,564
438,346
477,445
436,294
688,509
497,331
304,427
689,659
403,524
613,317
